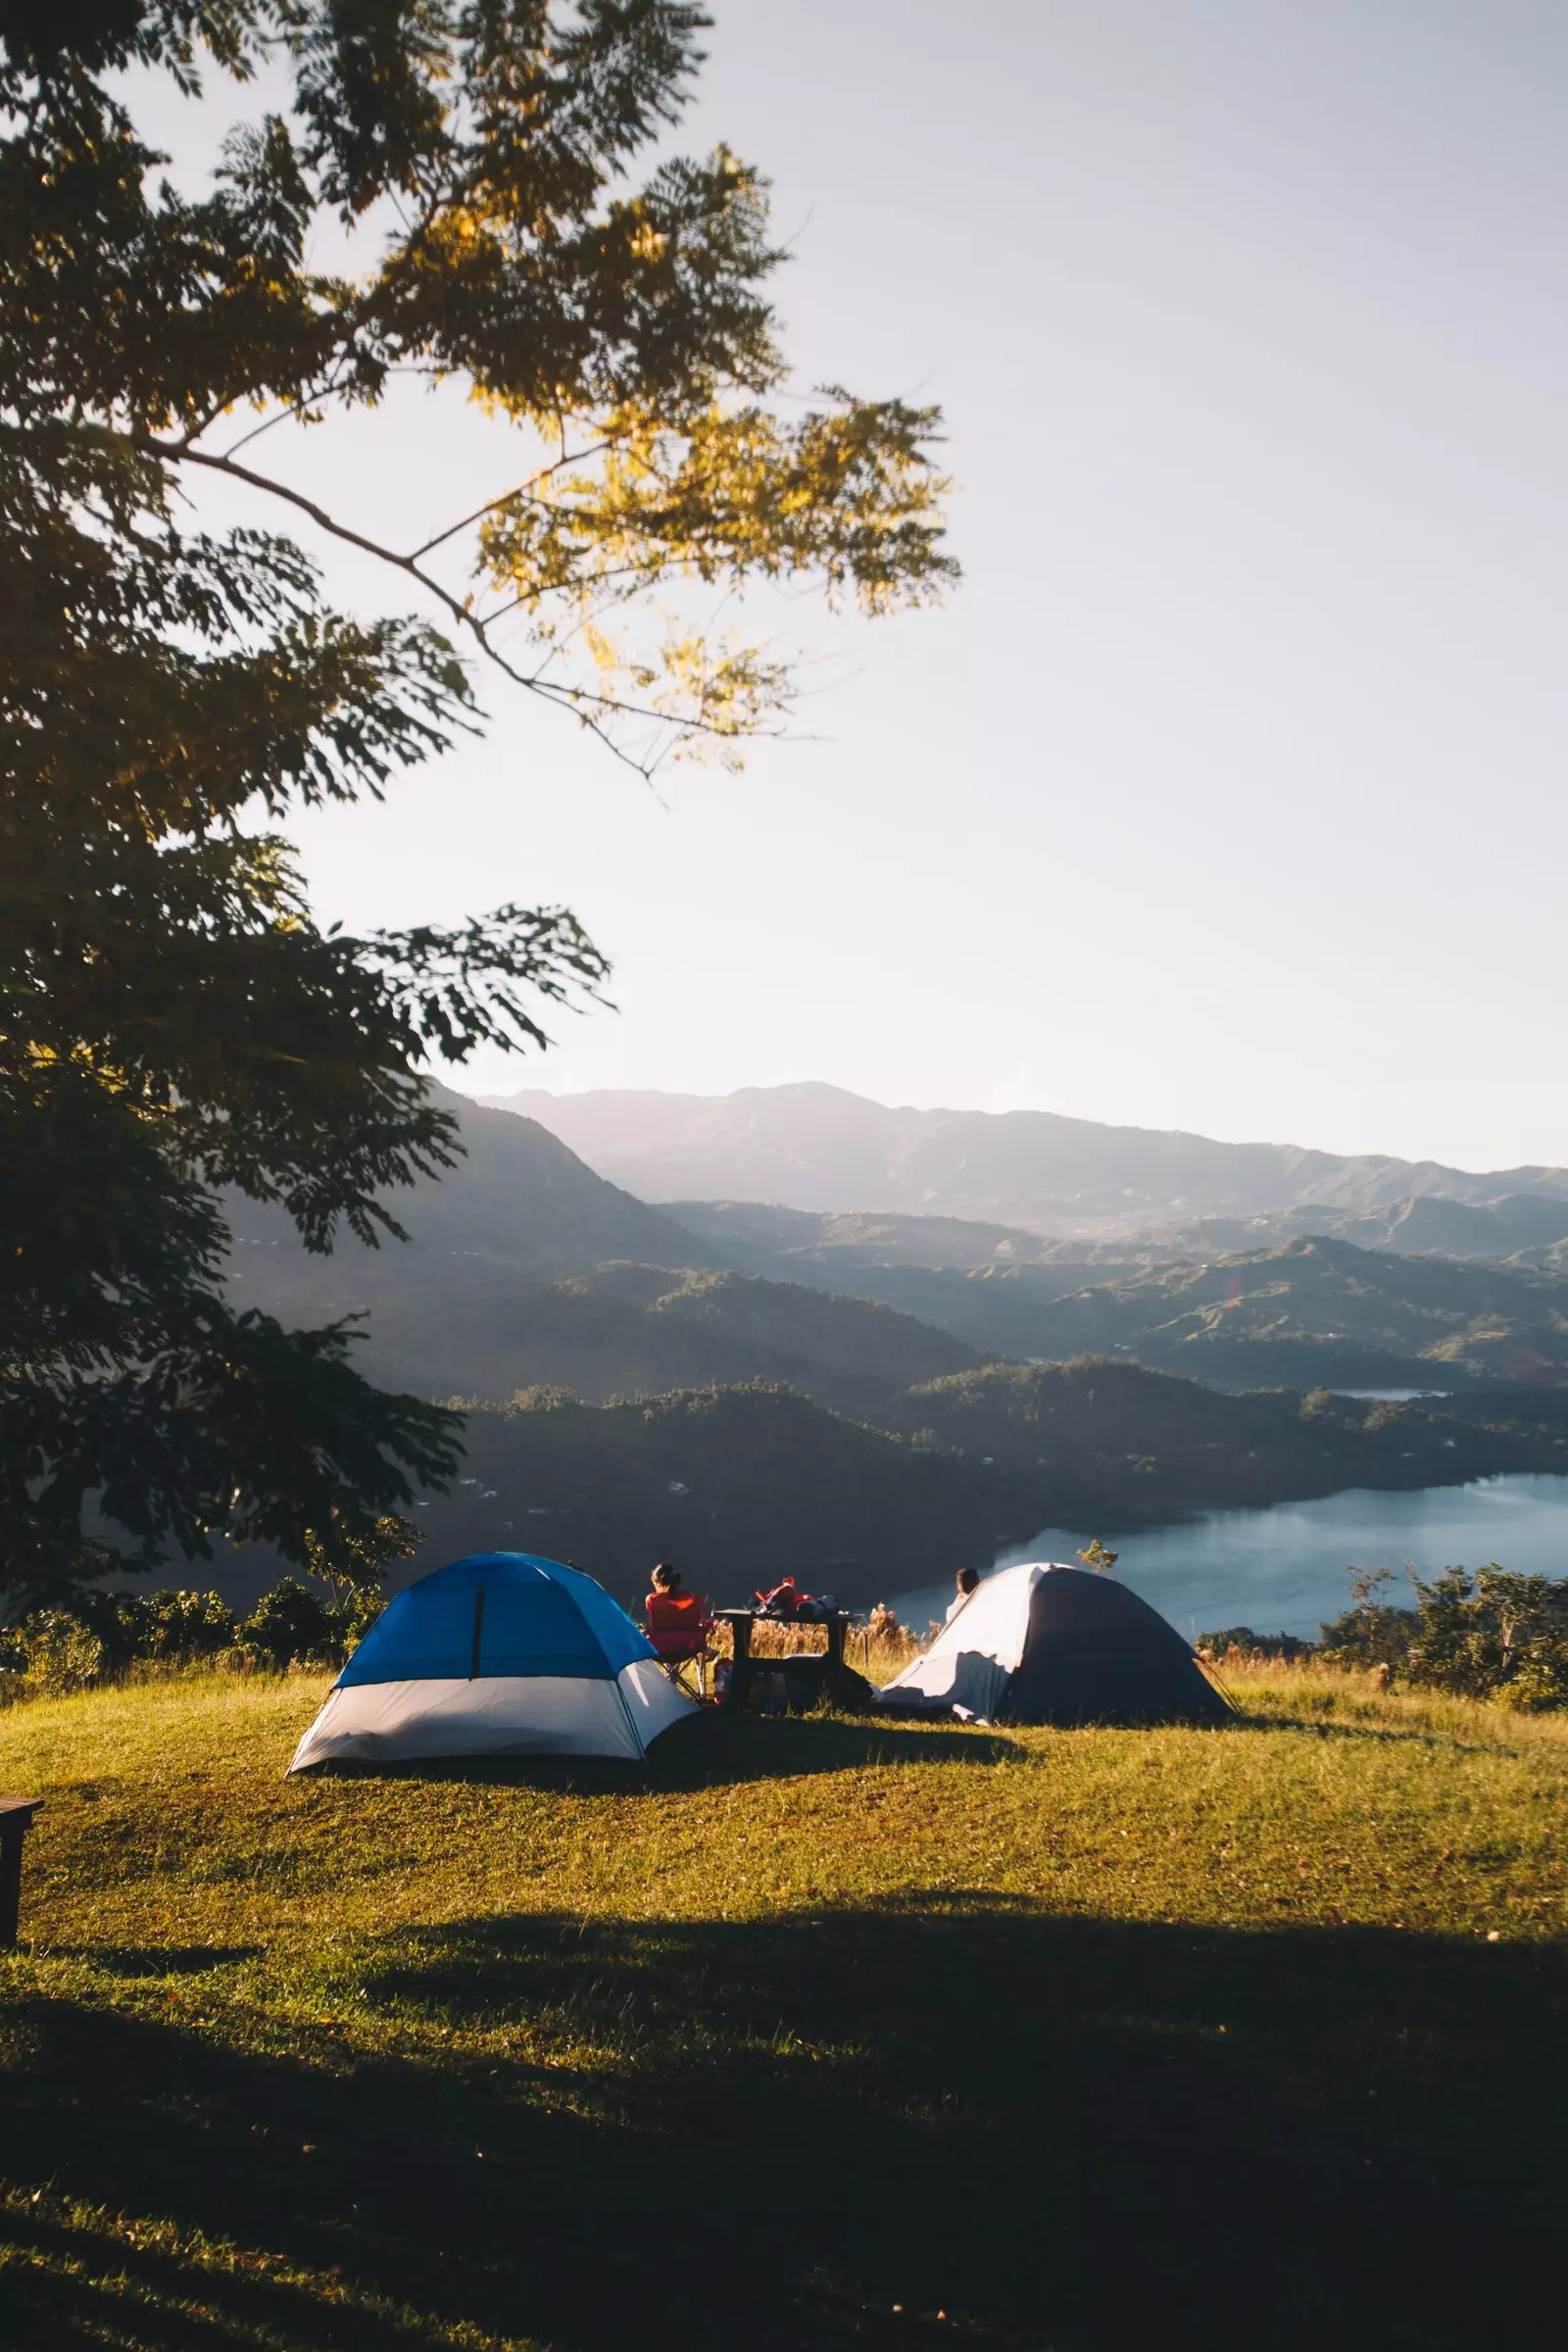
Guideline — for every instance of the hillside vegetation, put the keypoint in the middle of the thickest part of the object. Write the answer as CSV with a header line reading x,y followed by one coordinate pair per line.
x,y
1028,2040
1250,1311
1118,1441
742,1485
1302,1313
739,1485
477,1327
1523,1228
1261,1314
801,1245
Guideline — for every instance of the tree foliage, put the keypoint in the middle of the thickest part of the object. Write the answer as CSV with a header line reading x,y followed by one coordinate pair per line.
x,y
173,1020
1493,1633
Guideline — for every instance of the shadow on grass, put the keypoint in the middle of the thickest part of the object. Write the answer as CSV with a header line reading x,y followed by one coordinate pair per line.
x,y
714,1749
1329,1727
1032,2123
170,1960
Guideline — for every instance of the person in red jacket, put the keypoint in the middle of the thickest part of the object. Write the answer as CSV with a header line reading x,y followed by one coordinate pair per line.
x,y
677,1623
783,1601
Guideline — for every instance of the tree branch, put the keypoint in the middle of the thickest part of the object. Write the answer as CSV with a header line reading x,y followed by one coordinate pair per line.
x,y
578,457
591,709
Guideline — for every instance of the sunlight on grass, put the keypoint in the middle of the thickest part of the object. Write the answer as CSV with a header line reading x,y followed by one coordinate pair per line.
x,y
168,1818
301,2055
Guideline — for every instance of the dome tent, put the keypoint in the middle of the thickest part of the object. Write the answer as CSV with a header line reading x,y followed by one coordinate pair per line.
x,y
503,1654
1046,1644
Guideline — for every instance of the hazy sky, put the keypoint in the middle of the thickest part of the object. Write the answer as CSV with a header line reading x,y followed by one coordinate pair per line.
x,y
1228,793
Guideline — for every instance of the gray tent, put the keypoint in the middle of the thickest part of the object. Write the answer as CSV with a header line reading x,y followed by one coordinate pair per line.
x,y
1046,1643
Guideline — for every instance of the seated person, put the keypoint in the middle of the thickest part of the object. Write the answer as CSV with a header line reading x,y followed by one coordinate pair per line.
x,y
677,1623
969,1582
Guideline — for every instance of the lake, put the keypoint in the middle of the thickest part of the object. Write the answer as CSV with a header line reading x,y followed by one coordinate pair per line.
x,y
1283,1570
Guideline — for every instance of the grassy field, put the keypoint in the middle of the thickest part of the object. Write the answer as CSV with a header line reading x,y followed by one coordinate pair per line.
x,y
815,2034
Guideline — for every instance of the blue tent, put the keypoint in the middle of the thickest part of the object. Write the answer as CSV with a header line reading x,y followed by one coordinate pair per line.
x,y
500,1655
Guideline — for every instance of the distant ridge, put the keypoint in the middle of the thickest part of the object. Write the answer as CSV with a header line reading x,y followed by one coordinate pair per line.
x,y
816,1147
525,1269
515,1196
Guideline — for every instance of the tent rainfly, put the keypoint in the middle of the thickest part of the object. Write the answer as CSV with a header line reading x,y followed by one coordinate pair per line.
x,y
1046,1643
504,1655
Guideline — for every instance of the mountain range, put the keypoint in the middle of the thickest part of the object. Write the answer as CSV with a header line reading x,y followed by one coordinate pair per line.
x,y
815,1147
755,1388
524,1268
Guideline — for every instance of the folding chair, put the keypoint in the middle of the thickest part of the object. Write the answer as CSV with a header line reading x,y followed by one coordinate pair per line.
x,y
678,1626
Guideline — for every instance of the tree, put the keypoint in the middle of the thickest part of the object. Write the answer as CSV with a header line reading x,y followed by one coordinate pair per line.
x,y
1493,1634
175,1021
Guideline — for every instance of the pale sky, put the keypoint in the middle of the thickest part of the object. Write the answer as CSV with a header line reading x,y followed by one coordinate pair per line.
x,y
1227,793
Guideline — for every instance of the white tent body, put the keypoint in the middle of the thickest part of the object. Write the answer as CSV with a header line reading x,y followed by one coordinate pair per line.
x,y
495,1715
978,1651
503,1654
1043,1642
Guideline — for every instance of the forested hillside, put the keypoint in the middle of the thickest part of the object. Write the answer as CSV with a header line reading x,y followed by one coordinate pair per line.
x,y
741,1485
1298,1313
1270,1314
805,1244
523,1267
1525,1228
477,1327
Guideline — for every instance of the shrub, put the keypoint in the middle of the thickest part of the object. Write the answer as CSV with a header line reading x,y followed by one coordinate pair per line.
x,y
185,1626
290,1626
60,1654
178,1627
106,1633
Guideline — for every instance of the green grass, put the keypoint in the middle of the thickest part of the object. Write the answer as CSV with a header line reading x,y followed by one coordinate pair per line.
x,y
814,2032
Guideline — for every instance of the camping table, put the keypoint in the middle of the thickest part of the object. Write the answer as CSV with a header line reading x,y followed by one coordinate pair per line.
x,y
15,1820
740,1622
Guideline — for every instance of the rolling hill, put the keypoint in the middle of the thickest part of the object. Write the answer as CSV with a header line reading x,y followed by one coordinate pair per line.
x,y
518,1197
1523,1228
1326,1308
1301,1313
476,1328
524,1268
739,1485
1121,1442
815,1147
801,1245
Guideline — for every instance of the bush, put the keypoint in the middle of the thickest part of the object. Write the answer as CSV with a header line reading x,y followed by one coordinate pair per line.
x,y
177,1627
290,1626
61,1655
70,1649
